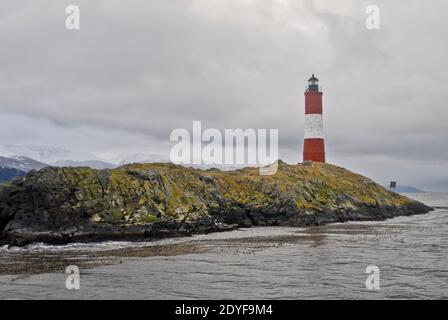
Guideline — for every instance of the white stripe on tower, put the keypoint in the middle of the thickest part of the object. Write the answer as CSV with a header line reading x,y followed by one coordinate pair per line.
x,y
314,127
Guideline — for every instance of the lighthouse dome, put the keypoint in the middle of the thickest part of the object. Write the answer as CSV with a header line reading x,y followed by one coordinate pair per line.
x,y
313,84
313,78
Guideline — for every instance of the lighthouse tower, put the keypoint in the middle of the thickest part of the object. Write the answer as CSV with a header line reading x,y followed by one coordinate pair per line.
x,y
313,145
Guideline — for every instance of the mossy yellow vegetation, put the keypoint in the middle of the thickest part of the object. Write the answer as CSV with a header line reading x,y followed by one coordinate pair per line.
x,y
145,193
310,186
141,201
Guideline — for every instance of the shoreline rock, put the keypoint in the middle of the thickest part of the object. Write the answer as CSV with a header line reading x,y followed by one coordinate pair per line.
x,y
153,201
150,232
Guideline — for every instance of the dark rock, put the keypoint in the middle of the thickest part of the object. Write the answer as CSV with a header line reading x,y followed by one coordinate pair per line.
x,y
152,201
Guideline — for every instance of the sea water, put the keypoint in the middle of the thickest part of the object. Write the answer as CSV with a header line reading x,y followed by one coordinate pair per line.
x,y
327,262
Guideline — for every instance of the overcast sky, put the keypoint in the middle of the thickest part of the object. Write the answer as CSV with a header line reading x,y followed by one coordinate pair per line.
x,y
136,70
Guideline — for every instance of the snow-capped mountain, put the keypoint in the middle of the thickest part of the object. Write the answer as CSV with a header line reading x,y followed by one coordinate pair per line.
x,y
123,159
59,157
94,164
21,157
21,163
46,154
7,174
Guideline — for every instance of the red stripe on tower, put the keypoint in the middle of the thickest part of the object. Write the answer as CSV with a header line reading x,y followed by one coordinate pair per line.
x,y
313,145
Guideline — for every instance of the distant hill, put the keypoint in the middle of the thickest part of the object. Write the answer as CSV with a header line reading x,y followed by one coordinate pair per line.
x,y
407,189
31,157
45,154
7,174
124,159
17,166
60,157
94,164
21,163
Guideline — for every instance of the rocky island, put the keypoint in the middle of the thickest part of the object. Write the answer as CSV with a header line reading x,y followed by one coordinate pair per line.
x,y
150,201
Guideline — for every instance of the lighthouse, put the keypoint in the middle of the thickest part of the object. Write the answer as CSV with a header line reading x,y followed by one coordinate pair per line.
x,y
313,144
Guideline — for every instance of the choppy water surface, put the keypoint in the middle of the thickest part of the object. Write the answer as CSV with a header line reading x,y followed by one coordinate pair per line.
x,y
264,263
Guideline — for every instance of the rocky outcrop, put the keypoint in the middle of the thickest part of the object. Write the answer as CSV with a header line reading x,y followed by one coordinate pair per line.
x,y
147,201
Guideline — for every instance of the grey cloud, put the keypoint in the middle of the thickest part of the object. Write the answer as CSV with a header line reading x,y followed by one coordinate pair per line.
x,y
136,71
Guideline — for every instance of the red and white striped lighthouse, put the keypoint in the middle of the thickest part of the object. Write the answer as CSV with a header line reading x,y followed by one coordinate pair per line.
x,y
313,145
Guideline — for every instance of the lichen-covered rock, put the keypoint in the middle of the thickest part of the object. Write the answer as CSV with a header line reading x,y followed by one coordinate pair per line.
x,y
134,201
